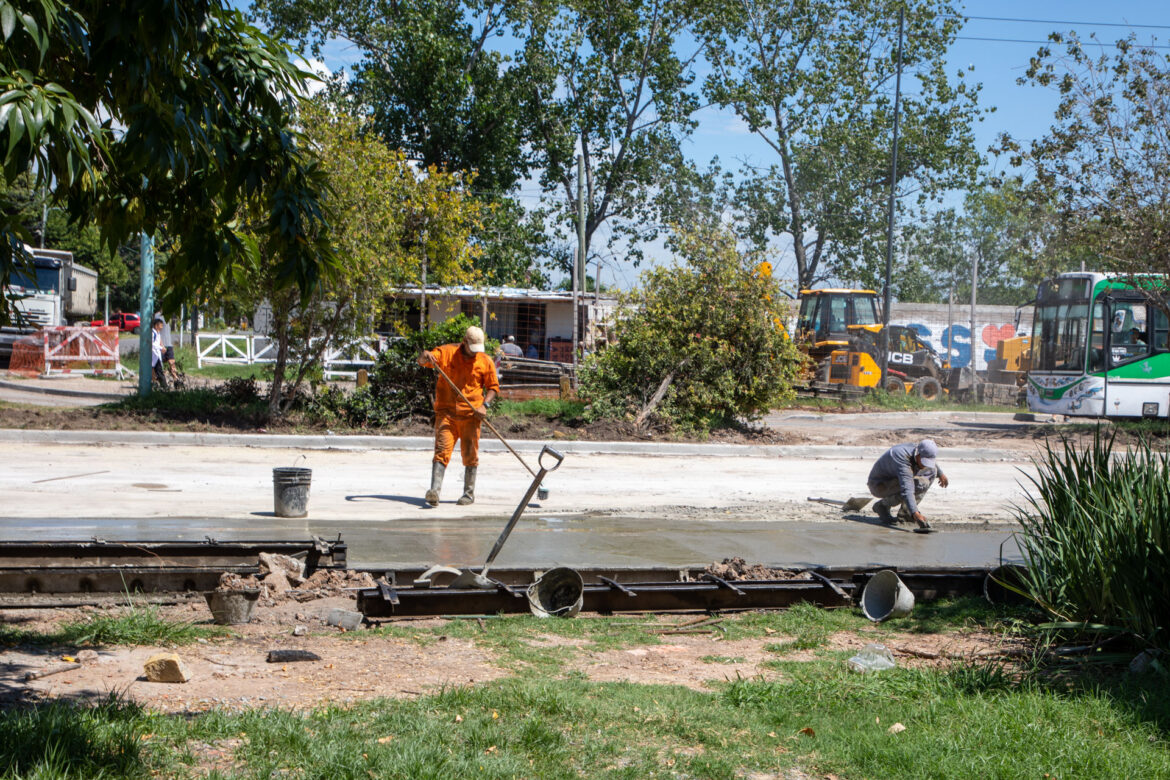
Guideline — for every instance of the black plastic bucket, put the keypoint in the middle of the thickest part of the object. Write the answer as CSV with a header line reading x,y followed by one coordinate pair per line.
x,y
290,491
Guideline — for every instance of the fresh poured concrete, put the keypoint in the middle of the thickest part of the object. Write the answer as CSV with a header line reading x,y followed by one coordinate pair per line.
x,y
661,506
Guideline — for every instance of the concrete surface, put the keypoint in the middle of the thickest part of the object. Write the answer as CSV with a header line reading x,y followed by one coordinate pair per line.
x,y
660,505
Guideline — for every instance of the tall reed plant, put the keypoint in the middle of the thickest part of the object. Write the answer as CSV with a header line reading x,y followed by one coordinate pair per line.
x,y
1096,537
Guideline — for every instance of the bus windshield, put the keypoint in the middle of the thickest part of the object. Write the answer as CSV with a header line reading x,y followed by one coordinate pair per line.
x,y
1061,325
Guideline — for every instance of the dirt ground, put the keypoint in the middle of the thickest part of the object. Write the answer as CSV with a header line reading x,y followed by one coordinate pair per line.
x,y
233,673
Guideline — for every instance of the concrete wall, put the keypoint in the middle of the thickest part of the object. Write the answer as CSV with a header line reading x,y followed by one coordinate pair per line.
x,y
992,324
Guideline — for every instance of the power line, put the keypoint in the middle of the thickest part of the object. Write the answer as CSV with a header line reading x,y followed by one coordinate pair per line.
x,y
1050,43
1066,21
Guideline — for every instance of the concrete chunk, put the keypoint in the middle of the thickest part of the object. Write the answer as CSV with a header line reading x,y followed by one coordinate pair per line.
x,y
166,667
344,618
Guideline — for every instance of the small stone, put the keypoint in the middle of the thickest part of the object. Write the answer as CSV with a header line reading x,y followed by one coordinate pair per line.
x,y
897,728
87,656
344,619
166,667
300,630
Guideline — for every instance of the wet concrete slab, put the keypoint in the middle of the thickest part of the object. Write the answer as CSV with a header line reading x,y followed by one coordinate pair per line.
x,y
569,540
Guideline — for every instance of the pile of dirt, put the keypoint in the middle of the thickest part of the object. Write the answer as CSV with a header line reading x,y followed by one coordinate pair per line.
x,y
325,583
230,581
739,569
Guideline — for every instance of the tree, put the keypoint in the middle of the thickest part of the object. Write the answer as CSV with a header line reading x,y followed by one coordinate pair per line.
x,y
606,82
1009,227
388,218
161,118
434,88
1107,154
814,79
699,345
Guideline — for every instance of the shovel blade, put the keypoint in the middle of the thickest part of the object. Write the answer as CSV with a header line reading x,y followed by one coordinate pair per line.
x,y
856,503
469,579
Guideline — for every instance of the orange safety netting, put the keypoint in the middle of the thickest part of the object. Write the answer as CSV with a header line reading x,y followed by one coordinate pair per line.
x,y
67,349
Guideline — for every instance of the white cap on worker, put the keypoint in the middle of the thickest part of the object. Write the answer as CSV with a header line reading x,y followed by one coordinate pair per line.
x,y
927,452
473,338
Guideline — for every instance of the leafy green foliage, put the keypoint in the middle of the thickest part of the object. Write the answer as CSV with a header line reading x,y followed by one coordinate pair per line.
x,y
815,80
608,81
389,222
1095,536
1009,227
710,331
195,119
1107,153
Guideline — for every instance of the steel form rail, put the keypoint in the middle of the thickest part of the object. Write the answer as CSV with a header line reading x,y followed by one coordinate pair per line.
x,y
104,567
607,594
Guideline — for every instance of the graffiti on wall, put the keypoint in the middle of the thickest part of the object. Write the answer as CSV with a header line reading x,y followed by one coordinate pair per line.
x,y
959,338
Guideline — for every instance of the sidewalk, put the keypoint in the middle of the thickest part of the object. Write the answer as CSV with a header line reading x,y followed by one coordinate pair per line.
x,y
70,385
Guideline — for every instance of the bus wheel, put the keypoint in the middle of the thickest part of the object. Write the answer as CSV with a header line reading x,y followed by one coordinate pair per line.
x,y
894,386
928,388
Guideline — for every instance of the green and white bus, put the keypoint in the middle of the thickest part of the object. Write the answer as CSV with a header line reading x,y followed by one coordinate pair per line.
x,y
1099,346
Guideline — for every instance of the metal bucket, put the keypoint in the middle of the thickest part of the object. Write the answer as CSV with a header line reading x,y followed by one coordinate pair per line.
x,y
1003,585
559,592
290,491
886,596
232,607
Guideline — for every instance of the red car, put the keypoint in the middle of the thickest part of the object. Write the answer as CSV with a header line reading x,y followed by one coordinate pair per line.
x,y
124,321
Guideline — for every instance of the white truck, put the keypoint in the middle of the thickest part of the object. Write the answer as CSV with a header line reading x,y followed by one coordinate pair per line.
x,y
54,291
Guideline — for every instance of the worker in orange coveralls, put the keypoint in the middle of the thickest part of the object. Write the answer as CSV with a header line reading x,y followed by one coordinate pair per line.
x,y
474,373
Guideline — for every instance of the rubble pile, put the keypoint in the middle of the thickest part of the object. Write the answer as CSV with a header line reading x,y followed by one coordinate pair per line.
x,y
739,569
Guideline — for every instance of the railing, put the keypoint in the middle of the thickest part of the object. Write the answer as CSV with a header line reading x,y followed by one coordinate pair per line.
x,y
82,350
246,350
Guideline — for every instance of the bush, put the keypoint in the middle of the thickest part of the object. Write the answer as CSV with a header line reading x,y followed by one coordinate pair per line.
x,y
710,332
1096,537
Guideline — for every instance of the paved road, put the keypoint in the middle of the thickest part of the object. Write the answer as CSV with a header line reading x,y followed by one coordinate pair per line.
x,y
649,505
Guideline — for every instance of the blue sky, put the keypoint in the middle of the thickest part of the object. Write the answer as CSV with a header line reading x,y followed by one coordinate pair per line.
x,y
1025,112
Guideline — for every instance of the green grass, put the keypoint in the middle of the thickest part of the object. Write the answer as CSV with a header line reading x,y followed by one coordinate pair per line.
x,y
188,359
548,408
140,625
882,401
819,718
547,722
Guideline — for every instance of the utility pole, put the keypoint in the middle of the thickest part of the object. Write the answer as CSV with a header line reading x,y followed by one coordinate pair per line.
x,y
578,261
885,340
974,340
106,318
146,308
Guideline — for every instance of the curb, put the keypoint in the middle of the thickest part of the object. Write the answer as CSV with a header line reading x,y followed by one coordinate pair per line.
x,y
18,387
425,443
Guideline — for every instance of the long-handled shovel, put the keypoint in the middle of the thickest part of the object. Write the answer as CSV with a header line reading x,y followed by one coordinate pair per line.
x,y
468,578
852,505
486,421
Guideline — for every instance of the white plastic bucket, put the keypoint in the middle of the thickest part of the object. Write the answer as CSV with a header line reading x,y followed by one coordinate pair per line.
x,y
885,596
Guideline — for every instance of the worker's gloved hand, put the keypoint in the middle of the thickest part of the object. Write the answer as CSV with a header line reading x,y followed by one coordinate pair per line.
x,y
425,359
943,481
480,412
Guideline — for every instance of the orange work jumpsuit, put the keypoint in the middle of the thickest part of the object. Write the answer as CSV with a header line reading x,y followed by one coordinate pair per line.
x,y
454,419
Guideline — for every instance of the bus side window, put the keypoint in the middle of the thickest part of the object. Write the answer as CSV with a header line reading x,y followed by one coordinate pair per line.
x,y
1160,330
1097,340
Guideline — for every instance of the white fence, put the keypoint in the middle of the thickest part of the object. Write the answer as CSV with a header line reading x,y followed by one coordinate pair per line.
x,y
246,350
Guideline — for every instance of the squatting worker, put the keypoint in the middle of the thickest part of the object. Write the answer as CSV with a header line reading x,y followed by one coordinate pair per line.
x,y
455,419
902,475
